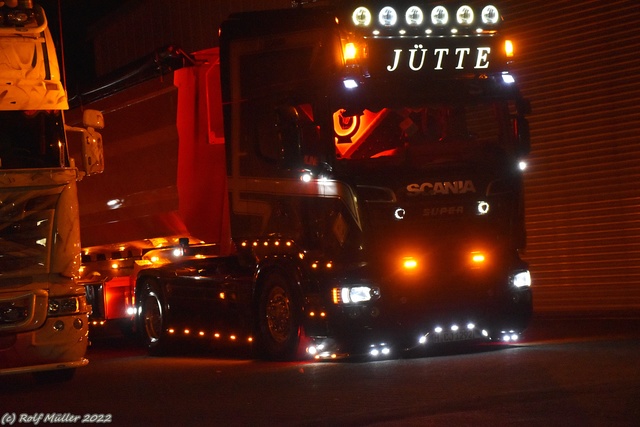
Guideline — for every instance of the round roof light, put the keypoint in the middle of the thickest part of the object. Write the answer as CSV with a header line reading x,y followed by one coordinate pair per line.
x,y
439,15
361,17
464,15
490,15
414,16
388,16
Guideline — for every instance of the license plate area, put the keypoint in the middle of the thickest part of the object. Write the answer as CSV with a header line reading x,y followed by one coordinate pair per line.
x,y
452,336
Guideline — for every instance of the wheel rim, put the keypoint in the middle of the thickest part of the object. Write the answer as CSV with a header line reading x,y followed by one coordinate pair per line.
x,y
278,314
152,318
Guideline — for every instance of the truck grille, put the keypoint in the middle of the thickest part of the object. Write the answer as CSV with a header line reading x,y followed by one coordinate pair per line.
x,y
26,223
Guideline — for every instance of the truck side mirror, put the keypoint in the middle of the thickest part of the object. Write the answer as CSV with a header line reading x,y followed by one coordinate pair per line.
x,y
92,149
93,119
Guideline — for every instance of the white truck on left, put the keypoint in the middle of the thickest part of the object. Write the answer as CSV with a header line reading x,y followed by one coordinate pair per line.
x,y
43,311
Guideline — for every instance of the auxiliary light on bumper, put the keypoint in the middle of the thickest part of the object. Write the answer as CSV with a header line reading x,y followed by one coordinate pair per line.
x,y
521,279
354,294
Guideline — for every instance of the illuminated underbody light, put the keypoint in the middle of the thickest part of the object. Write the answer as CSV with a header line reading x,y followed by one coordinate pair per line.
x,y
509,336
320,351
231,337
379,350
455,328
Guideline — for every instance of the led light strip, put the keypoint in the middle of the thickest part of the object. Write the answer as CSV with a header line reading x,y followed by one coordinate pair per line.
x,y
414,16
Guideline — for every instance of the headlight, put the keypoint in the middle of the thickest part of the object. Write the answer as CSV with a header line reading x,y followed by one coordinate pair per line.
x,y
464,15
522,279
388,16
414,16
439,15
361,17
354,294
490,15
67,305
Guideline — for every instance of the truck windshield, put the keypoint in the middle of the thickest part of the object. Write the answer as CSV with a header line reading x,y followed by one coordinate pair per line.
x,y
31,139
422,131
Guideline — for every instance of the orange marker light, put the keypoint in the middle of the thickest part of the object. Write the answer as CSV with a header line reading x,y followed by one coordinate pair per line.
x,y
478,258
508,48
409,263
349,52
335,293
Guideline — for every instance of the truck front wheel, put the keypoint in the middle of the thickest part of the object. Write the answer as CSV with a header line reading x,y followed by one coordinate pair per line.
x,y
278,318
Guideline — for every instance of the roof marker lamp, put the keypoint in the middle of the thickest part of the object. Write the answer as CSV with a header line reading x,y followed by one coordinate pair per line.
x,y
349,52
414,16
439,16
477,259
361,17
409,263
508,48
388,16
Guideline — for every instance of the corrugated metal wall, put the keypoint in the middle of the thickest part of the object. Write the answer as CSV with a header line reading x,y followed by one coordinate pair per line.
x,y
579,63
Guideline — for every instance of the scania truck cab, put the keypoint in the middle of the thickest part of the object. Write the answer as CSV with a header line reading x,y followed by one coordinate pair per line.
x,y
43,311
386,142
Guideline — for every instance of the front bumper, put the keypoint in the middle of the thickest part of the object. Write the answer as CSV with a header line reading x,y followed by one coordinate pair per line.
x,y
60,343
403,318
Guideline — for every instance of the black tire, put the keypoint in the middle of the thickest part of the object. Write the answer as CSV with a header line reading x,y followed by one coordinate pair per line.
x,y
55,376
279,315
152,321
